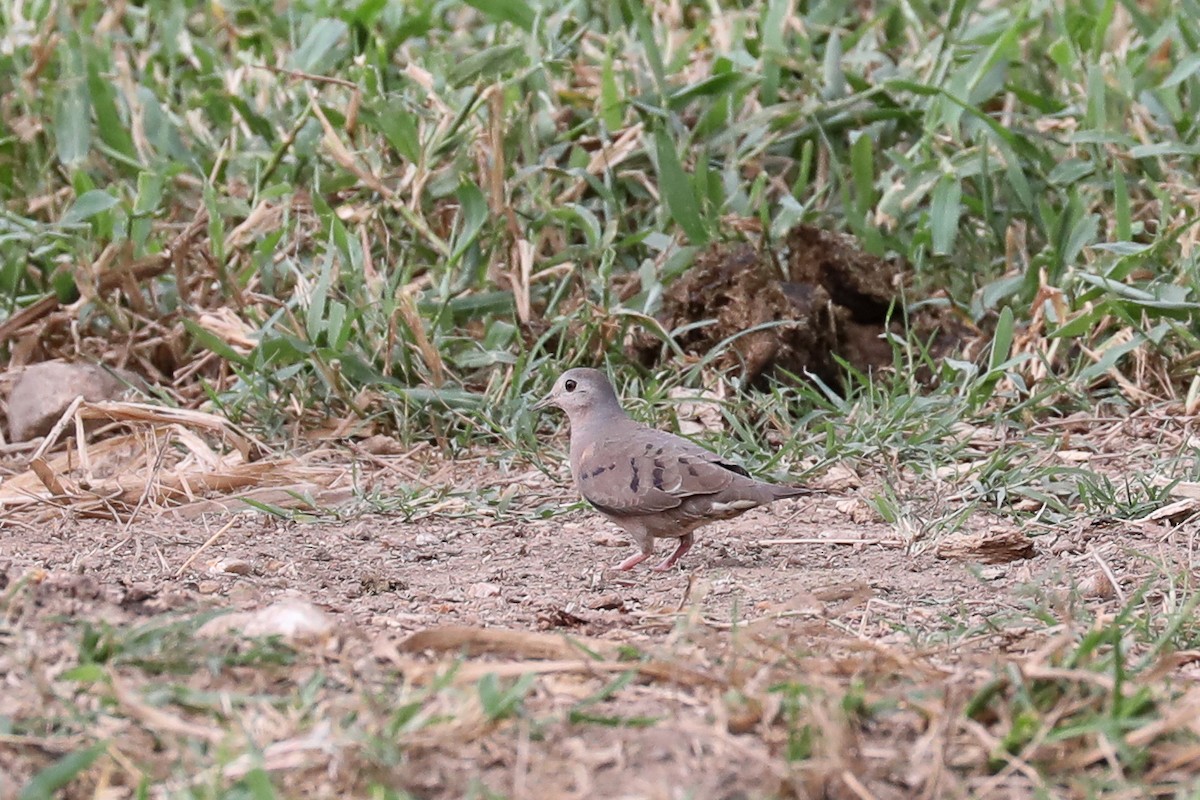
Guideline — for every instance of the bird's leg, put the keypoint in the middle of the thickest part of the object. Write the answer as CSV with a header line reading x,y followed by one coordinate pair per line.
x,y
633,561
685,544
644,540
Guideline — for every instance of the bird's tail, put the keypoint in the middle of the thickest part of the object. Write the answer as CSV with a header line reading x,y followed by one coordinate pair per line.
x,y
782,492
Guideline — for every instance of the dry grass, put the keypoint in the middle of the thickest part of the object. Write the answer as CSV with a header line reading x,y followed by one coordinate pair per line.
x,y
784,705
168,459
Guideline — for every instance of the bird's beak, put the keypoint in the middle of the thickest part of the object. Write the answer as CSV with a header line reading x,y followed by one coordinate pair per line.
x,y
548,400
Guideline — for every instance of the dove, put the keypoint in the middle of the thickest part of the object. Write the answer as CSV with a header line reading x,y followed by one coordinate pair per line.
x,y
651,483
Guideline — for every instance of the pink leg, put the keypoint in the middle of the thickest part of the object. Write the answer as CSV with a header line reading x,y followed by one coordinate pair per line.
x,y
633,561
685,544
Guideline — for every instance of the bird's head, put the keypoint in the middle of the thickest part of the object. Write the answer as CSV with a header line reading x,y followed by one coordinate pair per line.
x,y
580,392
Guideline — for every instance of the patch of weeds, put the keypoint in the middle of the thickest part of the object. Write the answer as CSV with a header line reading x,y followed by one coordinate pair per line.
x,y
1128,498
580,713
500,701
171,647
803,728
406,501
57,776
1092,693
307,510
920,524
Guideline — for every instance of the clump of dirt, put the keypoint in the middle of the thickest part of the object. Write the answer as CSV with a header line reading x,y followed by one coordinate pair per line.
x,y
824,299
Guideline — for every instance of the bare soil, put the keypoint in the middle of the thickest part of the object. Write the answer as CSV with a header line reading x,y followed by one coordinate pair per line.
x,y
861,611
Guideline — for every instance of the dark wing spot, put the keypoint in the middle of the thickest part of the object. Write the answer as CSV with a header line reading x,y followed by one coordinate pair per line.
x,y
633,482
692,471
735,468
658,452
649,447
657,475
598,471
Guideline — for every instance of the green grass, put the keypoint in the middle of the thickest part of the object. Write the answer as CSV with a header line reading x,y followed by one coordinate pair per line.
x,y
362,180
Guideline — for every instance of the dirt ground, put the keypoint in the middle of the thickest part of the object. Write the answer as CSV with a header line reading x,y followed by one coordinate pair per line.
x,y
860,609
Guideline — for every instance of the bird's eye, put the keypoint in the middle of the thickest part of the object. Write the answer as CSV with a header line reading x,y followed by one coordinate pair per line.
x,y
569,385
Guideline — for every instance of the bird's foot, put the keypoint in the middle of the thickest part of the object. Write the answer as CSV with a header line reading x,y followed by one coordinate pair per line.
x,y
685,544
632,562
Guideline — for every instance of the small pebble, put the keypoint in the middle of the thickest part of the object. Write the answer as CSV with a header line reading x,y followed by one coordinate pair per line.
x,y
232,566
480,590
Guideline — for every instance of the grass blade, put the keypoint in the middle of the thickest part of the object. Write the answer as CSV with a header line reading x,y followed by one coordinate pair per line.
x,y
46,784
678,191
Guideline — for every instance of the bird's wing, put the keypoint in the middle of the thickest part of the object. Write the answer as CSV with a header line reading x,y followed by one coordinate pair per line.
x,y
645,471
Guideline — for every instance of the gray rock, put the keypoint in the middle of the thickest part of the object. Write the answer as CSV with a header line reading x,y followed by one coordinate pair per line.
x,y
42,392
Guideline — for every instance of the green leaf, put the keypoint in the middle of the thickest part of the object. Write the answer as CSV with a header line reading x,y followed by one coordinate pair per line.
x,y
161,130
72,123
149,195
490,63
85,673
443,398
258,781
1185,69
367,11
216,223
677,190
1070,171
337,332
1080,325
89,205
709,87
113,131
576,717
474,215
1082,233
149,192
400,128
1122,214
582,218
1123,248
1000,289
862,167
610,97
499,703
773,53
649,43
609,690
1097,92
1001,340
314,321
313,53
255,121
1164,149
284,349
1109,356
945,208
1139,297
417,20
46,784
518,12
834,77
210,341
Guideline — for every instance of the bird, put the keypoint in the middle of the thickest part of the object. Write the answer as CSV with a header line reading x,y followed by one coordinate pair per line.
x,y
651,483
